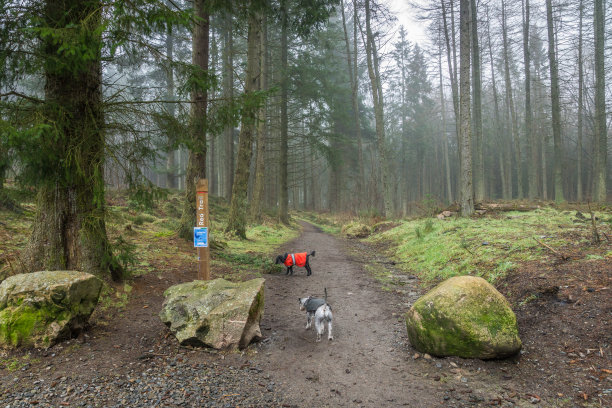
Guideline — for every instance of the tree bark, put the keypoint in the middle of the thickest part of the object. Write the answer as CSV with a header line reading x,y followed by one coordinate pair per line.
x,y
228,93
237,221
466,189
262,129
532,168
510,99
69,230
452,63
284,148
579,192
600,128
354,78
479,189
556,107
170,159
196,163
497,127
377,97
449,190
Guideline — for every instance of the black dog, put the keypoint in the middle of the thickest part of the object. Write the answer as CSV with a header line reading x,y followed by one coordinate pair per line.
x,y
299,259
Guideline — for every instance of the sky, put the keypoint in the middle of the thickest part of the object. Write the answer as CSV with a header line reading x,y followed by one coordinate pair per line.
x,y
406,16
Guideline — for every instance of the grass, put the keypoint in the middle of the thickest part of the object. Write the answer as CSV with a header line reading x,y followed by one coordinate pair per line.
x,y
145,241
489,246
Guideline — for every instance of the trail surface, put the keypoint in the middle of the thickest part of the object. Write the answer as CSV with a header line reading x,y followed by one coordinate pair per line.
x,y
367,363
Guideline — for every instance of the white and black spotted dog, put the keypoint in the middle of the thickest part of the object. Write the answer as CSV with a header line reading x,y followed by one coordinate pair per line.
x,y
319,310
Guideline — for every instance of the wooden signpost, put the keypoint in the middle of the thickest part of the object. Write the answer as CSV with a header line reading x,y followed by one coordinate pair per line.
x,y
201,231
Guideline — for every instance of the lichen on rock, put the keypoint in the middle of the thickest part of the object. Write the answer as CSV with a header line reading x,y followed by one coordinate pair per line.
x,y
463,316
41,308
216,313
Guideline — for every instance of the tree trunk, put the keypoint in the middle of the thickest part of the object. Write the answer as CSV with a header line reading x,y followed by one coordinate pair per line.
x,y
237,221
377,97
497,127
196,163
69,230
579,193
465,140
449,190
354,78
452,63
510,99
600,128
532,151
556,107
284,149
212,173
228,93
170,162
477,116
262,130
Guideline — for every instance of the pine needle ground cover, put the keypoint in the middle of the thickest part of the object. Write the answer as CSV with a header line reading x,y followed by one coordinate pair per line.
x,y
490,246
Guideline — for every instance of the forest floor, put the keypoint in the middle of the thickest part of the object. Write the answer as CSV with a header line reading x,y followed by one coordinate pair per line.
x,y
127,357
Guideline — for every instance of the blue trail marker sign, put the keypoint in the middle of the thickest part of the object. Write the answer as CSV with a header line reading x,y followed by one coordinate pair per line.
x,y
200,237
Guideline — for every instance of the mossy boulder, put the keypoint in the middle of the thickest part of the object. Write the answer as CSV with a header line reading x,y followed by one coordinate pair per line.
x,y
356,230
41,308
463,316
216,313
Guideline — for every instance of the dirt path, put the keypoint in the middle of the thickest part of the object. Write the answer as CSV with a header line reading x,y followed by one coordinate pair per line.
x,y
366,364
129,358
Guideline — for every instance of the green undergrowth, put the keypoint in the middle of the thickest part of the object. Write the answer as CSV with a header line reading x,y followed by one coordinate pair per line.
x,y
490,246
148,240
144,240
333,223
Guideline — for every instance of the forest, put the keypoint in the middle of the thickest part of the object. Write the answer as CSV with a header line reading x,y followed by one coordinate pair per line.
x,y
406,141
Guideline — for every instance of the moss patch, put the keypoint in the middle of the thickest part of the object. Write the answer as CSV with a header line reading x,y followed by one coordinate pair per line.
x,y
465,317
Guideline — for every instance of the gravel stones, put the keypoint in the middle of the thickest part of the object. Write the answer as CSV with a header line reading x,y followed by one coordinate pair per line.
x,y
171,381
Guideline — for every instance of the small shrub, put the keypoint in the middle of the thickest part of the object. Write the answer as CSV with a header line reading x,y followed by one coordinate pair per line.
x,y
429,226
142,218
124,255
418,233
356,230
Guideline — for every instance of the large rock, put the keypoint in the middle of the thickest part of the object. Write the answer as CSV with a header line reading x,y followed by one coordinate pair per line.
x,y
217,313
464,316
41,308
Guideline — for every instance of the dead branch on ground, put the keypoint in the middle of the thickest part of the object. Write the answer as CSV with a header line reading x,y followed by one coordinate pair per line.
x,y
563,256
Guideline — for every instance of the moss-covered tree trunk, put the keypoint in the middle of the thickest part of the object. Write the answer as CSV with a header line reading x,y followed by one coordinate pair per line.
x,y
69,231
196,163
238,207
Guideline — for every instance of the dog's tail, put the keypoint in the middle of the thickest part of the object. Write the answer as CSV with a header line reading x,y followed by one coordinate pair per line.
x,y
312,253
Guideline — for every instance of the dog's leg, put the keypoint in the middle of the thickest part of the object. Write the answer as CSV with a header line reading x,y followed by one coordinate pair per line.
x,y
320,327
287,271
308,270
329,329
308,320
290,269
